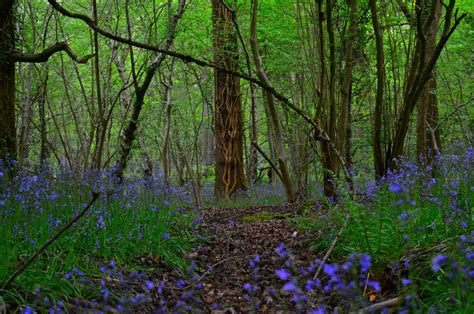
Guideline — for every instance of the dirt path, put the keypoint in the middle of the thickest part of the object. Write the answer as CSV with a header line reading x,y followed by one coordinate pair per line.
x,y
235,237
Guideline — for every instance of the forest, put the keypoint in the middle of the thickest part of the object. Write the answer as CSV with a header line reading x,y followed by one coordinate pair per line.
x,y
236,156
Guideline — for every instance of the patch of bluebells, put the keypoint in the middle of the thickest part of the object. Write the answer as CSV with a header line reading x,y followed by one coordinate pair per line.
x,y
424,205
251,288
342,286
34,206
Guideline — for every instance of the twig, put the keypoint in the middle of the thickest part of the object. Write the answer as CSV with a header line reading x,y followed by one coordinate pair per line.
x,y
207,272
95,196
270,161
333,245
378,306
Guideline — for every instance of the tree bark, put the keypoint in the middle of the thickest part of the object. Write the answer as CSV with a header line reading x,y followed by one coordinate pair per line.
x,y
276,123
377,126
344,123
228,122
428,144
7,83
166,138
424,71
128,135
102,121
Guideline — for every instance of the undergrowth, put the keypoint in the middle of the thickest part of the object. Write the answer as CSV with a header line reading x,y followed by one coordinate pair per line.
x,y
417,225
410,236
129,220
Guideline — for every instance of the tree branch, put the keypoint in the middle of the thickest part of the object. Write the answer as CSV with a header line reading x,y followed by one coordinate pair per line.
x,y
187,58
47,53
184,57
272,164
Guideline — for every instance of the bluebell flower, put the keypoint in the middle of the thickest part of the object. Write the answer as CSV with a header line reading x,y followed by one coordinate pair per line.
x,y
149,284
319,310
406,282
281,251
437,261
329,269
106,293
374,284
395,188
290,287
283,274
166,235
247,286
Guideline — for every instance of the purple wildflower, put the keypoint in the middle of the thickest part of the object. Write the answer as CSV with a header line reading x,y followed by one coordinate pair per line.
x,y
395,188
374,284
290,287
437,261
406,282
283,274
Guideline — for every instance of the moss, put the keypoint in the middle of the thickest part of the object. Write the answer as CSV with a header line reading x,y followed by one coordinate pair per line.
x,y
264,216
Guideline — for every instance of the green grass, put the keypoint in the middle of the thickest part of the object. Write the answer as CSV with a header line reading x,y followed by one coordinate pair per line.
x,y
116,228
393,227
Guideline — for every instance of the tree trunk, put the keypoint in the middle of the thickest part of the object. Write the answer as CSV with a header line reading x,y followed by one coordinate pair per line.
x,y
347,83
427,143
166,138
101,120
379,165
227,106
128,135
424,72
7,83
276,123
44,153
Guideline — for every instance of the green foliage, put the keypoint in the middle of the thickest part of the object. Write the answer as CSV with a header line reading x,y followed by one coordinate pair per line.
x,y
264,216
117,228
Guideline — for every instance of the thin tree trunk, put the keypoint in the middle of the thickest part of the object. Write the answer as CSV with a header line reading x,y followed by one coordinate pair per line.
x,y
166,138
42,115
276,123
427,117
128,135
347,82
377,127
102,121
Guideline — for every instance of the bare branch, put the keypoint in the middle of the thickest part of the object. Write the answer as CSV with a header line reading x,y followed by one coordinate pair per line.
x,y
47,53
187,58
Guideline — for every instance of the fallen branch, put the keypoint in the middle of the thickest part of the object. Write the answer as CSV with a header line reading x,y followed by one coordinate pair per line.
x,y
209,270
272,164
378,306
22,268
333,245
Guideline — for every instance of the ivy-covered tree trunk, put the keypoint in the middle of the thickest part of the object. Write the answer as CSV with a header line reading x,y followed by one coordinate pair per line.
x,y
7,82
227,106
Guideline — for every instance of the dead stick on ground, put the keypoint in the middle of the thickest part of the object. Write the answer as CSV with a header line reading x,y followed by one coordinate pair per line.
x,y
211,268
333,245
95,196
378,306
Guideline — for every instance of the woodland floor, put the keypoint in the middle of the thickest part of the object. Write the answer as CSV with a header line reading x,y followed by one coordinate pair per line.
x,y
233,236
234,241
